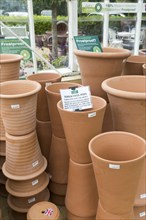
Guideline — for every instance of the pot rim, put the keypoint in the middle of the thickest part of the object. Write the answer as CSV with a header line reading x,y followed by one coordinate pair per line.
x,y
116,133
109,53
123,93
58,76
22,83
12,58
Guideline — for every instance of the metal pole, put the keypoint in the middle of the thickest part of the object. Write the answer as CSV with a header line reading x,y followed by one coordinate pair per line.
x,y
31,31
105,27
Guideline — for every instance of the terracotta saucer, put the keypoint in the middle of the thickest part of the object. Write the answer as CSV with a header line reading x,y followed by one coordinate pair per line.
x,y
29,187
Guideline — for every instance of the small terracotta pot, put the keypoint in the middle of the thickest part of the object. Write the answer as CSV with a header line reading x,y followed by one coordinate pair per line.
x,y
144,69
23,204
24,159
71,216
44,79
58,160
27,188
44,133
80,127
133,65
140,212
53,96
2,148
10,66
105,215
18,106
118,158
96,67
81,196
57,188
40,210
57,199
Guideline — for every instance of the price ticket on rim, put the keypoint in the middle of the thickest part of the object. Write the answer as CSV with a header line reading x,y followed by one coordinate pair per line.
x,y
76,98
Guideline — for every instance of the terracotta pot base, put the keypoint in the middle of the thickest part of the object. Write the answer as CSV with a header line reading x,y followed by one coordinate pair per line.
x,y
37,211
22,205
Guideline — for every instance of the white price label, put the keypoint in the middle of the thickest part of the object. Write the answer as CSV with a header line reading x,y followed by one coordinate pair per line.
x,y
31,200
35,182
16,106
143,196
114,166
34,164
91,115
142,214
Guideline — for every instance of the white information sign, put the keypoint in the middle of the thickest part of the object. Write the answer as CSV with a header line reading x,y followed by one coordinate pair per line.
x,y
76,98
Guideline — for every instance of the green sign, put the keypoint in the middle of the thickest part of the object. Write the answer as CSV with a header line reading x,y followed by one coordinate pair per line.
x,y
88,43
14,46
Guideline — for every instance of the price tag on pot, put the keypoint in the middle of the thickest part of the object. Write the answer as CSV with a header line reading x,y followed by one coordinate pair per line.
x,y
114,166
142,214
76,98
15,106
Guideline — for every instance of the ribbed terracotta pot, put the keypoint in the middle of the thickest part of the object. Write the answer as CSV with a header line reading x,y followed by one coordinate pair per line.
x,y
24,159
80,127
10,66
118,158
140,212
127,96
58,160
96,67
23,204
29,187
44,134
2,148
57,188
18,106
53,96
144,69
44,79
44,210
133,65
81,196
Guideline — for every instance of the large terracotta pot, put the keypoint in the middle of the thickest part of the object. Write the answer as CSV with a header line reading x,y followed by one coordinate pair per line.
x,y
81,197
24,159
96,67
133,65
18,106
71,216
118,158
80,127
44,210
10,66
127,96
44,79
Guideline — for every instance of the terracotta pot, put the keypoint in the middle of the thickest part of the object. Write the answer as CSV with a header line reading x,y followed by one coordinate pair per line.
x,y
118,158
140,212
133,65
71,216
81,196
58,160
29,187
57,188
10,66
128,104
53,96
142,52
144,69
80,127
40,210
96,67
18,101
24,159
57,199
23,204
44,133
44,79
107,121
2,148
2,129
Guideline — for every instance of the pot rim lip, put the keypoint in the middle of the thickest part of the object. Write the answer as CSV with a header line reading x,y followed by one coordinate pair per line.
x,y
117,54
87,111
20,137
28,193
112,161
58,76
141,59
123,93
20,82
24,177
14,58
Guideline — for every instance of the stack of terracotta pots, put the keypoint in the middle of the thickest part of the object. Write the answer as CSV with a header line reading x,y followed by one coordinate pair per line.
x,y
79,127
25,165
59,157
10,67
43,123
127,96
